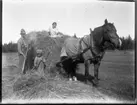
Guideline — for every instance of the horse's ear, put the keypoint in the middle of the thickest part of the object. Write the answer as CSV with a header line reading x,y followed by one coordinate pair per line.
x,y
106,21
90,30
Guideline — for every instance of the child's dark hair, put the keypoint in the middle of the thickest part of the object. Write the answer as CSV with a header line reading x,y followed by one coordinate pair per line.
x,y
54,23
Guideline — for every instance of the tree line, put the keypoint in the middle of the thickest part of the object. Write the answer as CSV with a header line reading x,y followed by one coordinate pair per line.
x,y
127,44
10,47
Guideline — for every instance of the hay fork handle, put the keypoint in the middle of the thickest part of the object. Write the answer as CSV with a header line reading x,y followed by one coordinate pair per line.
x,y
23,68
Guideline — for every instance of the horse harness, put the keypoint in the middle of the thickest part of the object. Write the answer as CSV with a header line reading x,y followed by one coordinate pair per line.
x,y
89,47
80,52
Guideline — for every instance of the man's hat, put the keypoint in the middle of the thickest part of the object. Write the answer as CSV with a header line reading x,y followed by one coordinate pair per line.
x,y
54,23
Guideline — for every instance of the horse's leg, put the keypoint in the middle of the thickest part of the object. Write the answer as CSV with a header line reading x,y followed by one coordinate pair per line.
x,y
96,69
87,63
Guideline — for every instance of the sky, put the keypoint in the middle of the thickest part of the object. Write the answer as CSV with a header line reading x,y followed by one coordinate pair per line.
x,y
72,16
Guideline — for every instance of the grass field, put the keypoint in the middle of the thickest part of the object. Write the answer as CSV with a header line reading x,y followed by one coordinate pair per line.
x,y
116,83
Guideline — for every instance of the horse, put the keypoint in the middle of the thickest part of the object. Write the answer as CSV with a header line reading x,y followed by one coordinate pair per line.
x,y
89,49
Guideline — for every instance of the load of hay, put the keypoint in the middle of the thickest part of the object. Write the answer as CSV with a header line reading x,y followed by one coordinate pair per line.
x,y
32,82
41,40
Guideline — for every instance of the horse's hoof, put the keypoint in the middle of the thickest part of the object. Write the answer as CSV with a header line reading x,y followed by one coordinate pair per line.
x,y
95,82
95,78
87,82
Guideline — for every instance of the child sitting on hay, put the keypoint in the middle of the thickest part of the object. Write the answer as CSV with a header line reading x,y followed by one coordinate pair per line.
x,y
39,62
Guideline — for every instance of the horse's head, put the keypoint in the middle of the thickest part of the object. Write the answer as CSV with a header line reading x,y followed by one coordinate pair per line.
x,y
110,34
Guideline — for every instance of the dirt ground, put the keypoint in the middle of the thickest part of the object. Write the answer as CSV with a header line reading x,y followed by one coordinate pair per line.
x,y
116,84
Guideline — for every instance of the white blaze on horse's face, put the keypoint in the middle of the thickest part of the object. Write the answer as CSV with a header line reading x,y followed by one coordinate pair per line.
x,y
116,40
112,34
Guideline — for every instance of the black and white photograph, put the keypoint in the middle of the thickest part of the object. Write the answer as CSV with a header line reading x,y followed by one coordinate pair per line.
x,y
68,51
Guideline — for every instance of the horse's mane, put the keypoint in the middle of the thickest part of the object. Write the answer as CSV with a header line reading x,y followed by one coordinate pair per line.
x,y
97,29
97,34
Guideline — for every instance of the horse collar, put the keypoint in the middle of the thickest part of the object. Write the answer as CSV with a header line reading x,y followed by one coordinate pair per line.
x,y
88,46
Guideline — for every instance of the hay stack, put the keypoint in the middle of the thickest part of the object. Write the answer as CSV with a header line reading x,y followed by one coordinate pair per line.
x,y
41,40
32,84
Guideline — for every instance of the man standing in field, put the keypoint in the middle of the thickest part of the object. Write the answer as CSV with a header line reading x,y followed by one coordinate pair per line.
x,y
22,48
